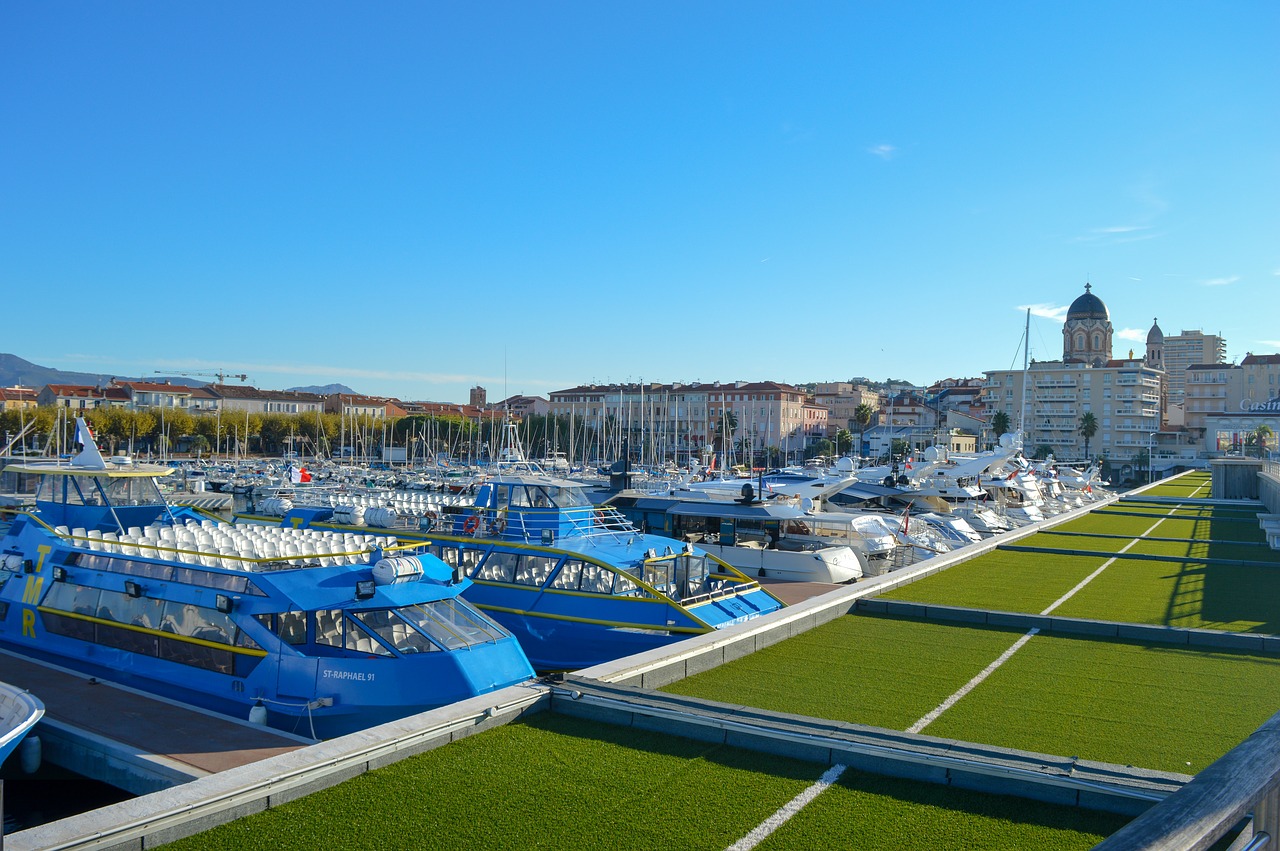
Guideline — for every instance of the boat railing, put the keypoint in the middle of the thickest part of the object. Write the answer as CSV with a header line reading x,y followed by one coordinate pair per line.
x,y
725,589
581,522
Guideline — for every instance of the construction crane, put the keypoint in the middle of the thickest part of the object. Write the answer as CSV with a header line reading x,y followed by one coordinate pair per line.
x,y
220,375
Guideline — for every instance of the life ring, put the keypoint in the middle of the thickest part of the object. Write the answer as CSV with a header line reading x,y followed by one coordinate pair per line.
x,y
472,524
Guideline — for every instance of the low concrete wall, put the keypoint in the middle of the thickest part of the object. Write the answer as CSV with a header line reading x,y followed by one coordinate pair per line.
x,y
1235,478
1269,486
1154,633
121,766
1061,780
217,799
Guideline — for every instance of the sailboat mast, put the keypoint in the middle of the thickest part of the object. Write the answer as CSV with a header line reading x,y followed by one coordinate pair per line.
x,y
1026,361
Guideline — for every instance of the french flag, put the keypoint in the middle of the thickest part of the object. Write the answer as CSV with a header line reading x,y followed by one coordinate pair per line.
x,y
84,434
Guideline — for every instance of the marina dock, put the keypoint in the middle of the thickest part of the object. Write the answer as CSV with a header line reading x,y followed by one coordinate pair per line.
x,y
132,740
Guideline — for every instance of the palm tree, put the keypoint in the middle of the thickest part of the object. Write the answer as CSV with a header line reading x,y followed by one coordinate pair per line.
x,y
1000,423
725,427
862,416
1088,428
1259,437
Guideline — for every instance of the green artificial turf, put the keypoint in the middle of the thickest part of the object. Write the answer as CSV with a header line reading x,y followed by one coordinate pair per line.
x,y
1108,524
1207,549
557,782
1003,580
1187,594
864,669
1148,705
551,782
883,814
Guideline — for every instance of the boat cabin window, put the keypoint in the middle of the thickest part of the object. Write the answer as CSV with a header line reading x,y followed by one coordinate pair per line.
x,y
680,576
396,632
229,582
578,575
99,490
139,624
518,568
451,625
584,576
568,497
463,561
534,569
335,629
569,577
498,566
292,627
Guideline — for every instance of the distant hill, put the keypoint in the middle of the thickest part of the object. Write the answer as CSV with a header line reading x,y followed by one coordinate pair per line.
x,y
326,389
15,370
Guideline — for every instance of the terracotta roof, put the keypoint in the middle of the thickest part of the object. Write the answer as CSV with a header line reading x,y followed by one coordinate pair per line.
x,y
682,387
1250,360
235,391
154,387
87,390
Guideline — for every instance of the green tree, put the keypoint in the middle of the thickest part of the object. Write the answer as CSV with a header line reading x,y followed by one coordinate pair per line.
x,y
862,416
819,447
199,445
1043,451
1000,423
274,431
1088,428
844,441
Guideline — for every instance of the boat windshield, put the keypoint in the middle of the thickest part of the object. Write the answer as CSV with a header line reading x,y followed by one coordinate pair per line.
x,y
427,627
99,490
542,496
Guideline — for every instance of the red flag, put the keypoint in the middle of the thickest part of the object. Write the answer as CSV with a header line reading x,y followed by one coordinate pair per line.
x,y
306,476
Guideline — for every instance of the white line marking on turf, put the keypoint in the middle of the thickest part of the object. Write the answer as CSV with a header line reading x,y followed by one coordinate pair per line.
x,y
795,805
972,684
1092,576
1018,645
799,802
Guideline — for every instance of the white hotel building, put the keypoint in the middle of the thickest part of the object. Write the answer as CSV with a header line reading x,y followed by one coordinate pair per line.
x,y
1124,395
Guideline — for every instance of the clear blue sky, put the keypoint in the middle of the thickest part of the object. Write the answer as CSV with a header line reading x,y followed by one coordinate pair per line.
x,y
412,198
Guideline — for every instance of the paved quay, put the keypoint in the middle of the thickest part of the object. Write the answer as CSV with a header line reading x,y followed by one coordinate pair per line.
x,y
133,740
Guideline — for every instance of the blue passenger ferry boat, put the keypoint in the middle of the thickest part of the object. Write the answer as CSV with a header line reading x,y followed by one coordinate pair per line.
x,y
576,583
316,632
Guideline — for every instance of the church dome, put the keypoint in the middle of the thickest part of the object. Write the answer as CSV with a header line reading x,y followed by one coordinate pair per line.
x,y
1088,306
1155,335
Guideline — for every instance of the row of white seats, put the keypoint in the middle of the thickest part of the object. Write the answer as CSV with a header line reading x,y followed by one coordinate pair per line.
x,y
234,546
